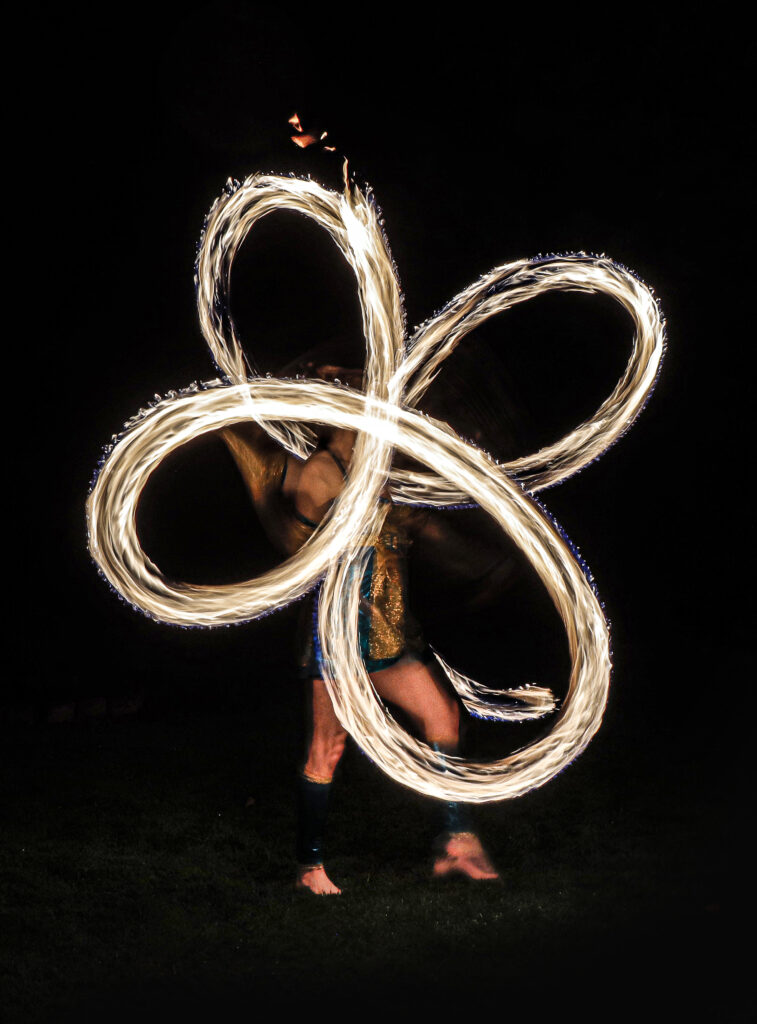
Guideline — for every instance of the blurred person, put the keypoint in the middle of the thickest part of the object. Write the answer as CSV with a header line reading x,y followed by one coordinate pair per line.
x,y
292,498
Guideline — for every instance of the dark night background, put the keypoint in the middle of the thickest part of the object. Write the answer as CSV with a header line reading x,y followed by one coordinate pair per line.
x,y
483,144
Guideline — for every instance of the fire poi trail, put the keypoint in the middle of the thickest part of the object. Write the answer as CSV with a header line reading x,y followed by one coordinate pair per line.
x,y
397,372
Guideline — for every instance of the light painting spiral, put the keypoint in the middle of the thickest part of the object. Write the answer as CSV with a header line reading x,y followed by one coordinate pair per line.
x,y
397,373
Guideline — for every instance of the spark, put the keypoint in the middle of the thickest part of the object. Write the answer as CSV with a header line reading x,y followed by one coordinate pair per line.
x,y
397,373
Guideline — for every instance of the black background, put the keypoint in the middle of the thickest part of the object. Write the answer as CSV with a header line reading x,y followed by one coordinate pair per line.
x,y
481,146
484,141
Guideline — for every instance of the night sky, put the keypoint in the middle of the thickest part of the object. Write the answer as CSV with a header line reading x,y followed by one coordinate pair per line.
x,y
483,144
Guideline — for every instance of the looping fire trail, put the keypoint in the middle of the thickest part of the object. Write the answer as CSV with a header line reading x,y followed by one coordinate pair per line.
x,y
397,373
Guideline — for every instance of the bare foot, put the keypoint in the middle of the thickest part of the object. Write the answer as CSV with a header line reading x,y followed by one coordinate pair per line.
x,y
463,854
317,881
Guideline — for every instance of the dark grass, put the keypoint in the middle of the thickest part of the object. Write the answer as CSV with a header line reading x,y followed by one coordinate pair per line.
x,y
139,881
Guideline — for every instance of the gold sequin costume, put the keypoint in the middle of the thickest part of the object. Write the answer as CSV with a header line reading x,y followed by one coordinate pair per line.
x,y
386,629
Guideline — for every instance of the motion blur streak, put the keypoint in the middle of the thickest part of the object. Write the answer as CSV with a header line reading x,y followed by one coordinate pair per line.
x,y
396,375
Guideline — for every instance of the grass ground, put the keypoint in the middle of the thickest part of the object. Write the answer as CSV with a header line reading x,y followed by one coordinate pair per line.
x,y
147,867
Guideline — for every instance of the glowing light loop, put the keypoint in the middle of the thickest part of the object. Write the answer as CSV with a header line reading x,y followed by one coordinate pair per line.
x,y
397,374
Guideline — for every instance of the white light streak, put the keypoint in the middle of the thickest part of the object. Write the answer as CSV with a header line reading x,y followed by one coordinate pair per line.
x,y
397,374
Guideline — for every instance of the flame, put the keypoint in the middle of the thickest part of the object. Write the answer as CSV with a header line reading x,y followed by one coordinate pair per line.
x,y
397,373
303,141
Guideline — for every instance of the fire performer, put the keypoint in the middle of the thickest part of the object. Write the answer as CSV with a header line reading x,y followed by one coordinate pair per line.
x,y
292,498
402,370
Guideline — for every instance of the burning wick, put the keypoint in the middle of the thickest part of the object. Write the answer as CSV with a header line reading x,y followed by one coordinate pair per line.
x,y
305,139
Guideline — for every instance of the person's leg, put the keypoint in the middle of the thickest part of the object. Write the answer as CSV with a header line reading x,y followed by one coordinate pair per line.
x,y
419,691
325,748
